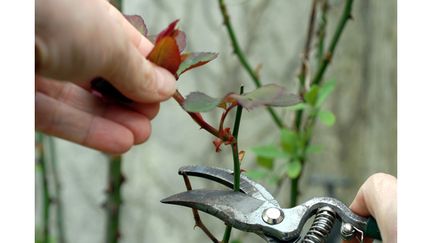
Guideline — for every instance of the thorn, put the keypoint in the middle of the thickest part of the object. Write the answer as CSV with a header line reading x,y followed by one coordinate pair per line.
x,y
242,170
351,17
122,179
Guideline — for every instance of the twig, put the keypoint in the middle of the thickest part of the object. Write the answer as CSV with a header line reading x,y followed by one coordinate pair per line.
x,y
317,80
305,60
334,41
57,191
236,160
322,29
115,181
242,58
197,218
114,200
45,188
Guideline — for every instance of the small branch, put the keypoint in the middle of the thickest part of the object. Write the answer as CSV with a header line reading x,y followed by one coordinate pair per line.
x,y
57,190
197,218
335,39
196,116
317,81
305,59
236,160
46,201
114,200
322,29
234,146
305,62
294,192
242,58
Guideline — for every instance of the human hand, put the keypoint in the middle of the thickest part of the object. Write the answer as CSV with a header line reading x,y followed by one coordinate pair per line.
x,y
78,41
378,197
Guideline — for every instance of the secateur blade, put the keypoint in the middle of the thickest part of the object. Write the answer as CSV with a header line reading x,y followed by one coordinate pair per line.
x,y
236,209
226,178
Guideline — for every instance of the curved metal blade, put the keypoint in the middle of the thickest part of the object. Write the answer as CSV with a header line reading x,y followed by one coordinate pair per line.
x,y
234,208
226,178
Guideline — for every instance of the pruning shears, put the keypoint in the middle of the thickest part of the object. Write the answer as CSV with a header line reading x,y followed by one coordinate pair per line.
x,y
253,209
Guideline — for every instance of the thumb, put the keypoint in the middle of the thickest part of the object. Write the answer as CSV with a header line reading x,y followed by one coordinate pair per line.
x,y
136,77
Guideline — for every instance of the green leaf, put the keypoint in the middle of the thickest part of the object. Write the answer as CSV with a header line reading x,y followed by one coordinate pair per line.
x,y
137,22
312,95
325,90
200,102
265,162
256,174
269,151
195,59
267,95
235,241
327,118
294,169
289,140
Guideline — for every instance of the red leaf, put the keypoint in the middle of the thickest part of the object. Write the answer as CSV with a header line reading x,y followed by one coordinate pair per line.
x,y
168,31
166,54
138,22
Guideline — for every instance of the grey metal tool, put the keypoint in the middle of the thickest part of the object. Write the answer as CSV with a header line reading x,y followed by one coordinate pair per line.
x,y
254,209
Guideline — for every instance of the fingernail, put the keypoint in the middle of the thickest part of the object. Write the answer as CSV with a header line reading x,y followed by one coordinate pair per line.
x,y
166,82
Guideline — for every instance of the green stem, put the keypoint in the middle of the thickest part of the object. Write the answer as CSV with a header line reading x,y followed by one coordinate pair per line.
x,y
46,200
317,81
242,58
294,191
113,204
227,234
236,160
334,41
57,190
321,30
115,181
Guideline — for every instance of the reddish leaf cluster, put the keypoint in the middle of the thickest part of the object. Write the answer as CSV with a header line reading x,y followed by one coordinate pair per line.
x,y
169,45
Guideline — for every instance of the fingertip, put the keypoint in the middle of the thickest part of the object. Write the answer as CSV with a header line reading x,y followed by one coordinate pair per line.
x,y
143,134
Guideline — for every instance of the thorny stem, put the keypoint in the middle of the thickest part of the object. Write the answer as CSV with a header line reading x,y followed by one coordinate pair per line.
x,y
197,116
321,29
57,190
114,200
115,181
334,41
317,80
45,188
302,78
305,61
197,218
236,160
242,58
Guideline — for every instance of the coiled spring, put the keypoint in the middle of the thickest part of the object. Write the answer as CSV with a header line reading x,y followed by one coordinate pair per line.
x,y
321,226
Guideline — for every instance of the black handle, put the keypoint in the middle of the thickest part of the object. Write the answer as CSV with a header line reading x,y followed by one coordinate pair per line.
x,y
372,229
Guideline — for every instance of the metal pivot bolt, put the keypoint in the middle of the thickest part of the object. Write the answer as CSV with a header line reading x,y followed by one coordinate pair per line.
x,y
273,216
347,231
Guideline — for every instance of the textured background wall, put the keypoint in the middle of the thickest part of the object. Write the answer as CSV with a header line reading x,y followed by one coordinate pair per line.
x,y
272,32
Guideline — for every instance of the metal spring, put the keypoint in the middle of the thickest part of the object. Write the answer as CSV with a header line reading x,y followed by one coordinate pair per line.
x,y
321,226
